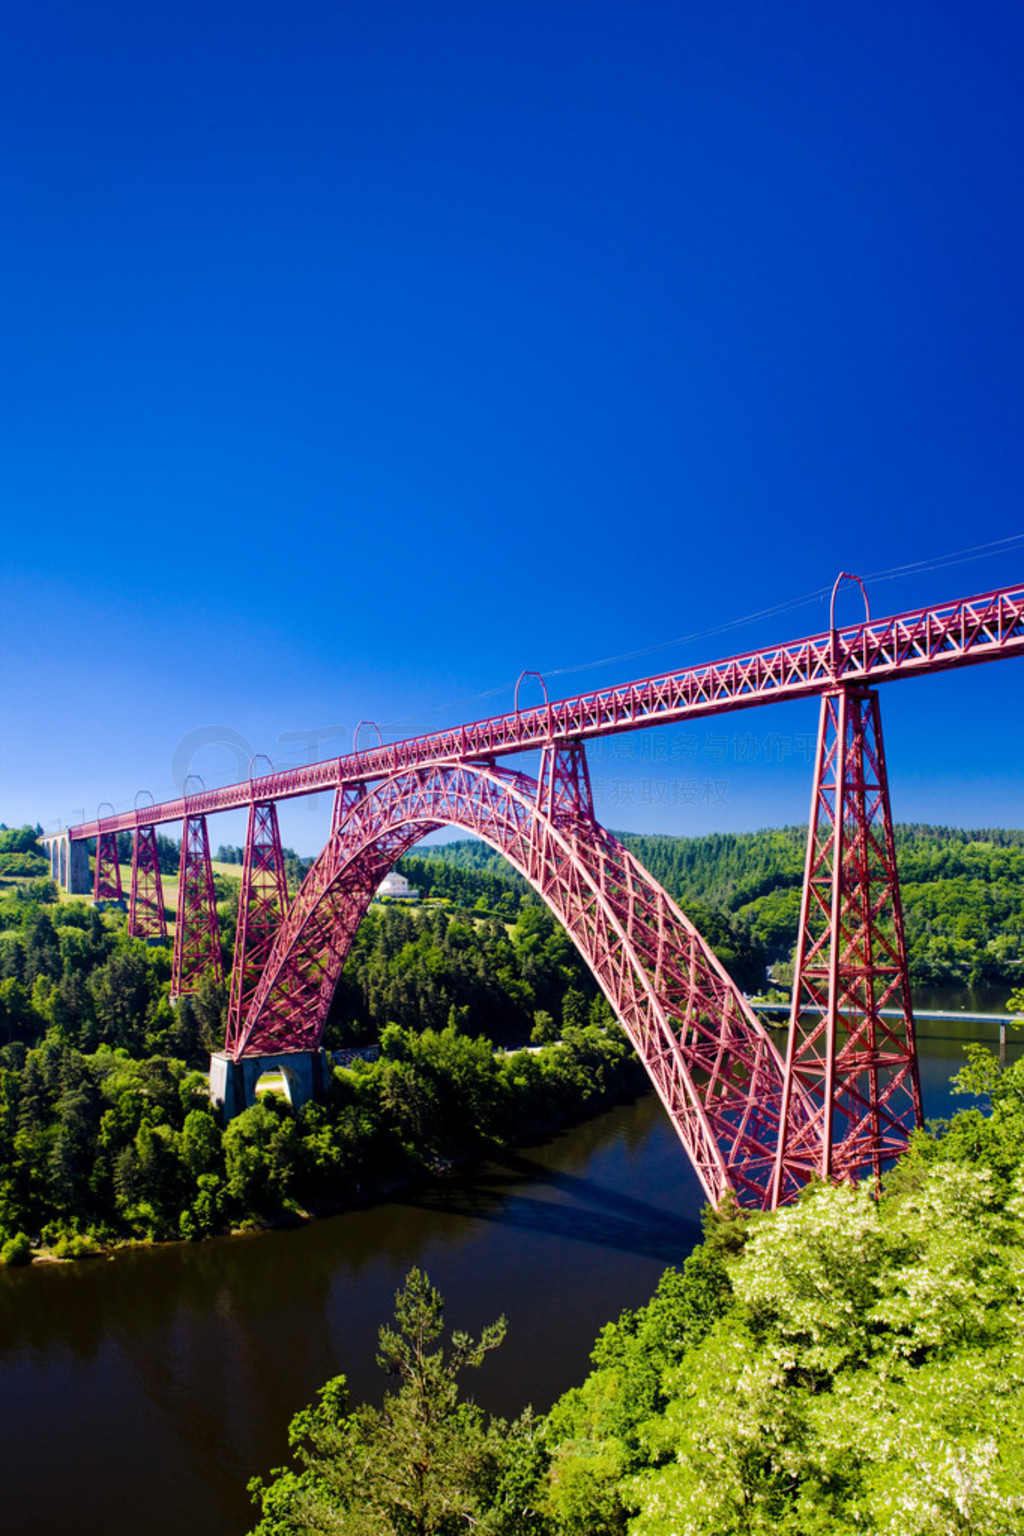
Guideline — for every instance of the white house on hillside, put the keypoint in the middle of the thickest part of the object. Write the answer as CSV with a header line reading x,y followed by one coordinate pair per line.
x,y
398,888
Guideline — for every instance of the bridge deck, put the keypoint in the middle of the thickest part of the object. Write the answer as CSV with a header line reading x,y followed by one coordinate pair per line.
x,y
988,627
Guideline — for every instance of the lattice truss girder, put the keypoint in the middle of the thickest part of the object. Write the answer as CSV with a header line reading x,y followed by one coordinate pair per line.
x,y
107,882
262,905
710,1059
969,630
197,934
858,1068
147,917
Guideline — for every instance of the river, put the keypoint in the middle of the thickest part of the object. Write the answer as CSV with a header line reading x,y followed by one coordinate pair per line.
x,y
140,1393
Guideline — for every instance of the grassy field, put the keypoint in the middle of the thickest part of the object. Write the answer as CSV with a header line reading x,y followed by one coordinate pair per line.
x,y
271,1082
169,883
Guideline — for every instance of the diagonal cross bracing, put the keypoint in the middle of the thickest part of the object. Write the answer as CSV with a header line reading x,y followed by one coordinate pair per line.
x,y
857,1066
197,936
965,632
107,882
262,904
147,916
849,1087
713,1064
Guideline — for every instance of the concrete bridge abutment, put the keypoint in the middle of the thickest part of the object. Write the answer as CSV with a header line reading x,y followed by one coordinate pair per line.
x,y
305,1076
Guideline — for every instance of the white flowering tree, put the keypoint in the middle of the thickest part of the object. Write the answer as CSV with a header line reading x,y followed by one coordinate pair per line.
x,y
870,1378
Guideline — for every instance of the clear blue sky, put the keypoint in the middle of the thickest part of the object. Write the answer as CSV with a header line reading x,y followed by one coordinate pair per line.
x,y
356,356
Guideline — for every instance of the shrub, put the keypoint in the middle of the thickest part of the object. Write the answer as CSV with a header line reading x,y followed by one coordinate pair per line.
x,y
75,1245
17,1250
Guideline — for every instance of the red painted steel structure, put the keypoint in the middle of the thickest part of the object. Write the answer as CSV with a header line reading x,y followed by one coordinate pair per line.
x,y
710,1059
107,881
262,903
197,936
839,1105
147,917
989,627
858,1068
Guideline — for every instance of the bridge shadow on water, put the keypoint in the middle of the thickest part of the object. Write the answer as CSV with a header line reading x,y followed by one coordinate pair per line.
x,y
516,1191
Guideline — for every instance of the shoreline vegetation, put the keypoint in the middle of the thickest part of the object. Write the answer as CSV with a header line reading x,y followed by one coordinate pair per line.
x,y
107,1137
849,1364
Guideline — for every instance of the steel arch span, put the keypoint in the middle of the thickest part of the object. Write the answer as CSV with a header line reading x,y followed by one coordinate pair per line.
x,y
711,1061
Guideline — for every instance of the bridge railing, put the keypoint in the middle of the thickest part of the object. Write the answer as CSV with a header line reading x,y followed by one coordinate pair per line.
x,y
965,632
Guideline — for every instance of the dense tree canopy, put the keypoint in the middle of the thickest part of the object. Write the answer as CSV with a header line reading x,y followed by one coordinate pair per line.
x,y
847,1365
426,1463
106,1131
963,896
20,852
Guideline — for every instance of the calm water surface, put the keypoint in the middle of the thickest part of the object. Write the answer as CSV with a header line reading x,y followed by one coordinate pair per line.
x,y
140,1393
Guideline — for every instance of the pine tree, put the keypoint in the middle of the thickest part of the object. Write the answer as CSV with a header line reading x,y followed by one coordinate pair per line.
x,y
426,1463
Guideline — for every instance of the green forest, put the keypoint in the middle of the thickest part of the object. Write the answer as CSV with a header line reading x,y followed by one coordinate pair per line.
x,y
963,896
106,1132
845,1367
